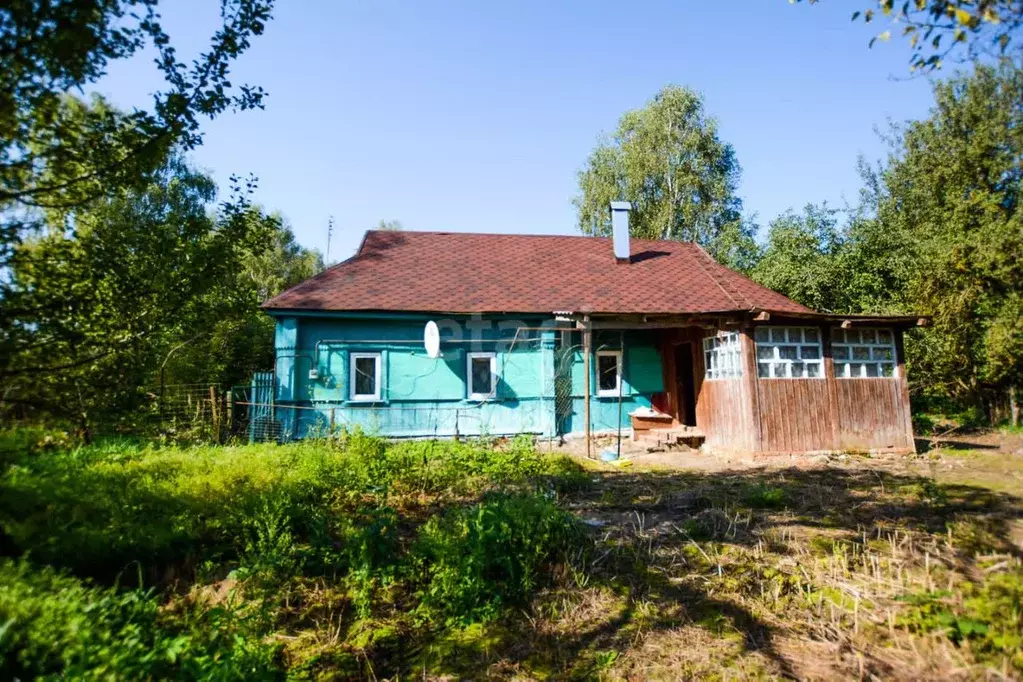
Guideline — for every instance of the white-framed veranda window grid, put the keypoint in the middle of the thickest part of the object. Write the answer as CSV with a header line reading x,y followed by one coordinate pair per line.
x,y
609,372
365,376
722,357
863,353
481,375
789,353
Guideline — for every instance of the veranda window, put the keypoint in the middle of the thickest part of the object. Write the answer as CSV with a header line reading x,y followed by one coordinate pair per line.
x,y
721,356
863,353
789,353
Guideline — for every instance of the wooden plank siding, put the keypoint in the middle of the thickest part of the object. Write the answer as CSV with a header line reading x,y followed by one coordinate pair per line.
x,y
782,416
725,410
871,415
795,415
830,414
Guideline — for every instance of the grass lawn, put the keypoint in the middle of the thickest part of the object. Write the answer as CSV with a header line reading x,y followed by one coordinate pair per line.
x,y
358,559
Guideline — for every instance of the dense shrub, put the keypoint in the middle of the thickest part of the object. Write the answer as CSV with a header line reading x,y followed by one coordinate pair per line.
x,y
476,560
55,626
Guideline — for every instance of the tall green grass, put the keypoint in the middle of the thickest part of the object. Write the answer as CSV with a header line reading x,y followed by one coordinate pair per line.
x,y
106,540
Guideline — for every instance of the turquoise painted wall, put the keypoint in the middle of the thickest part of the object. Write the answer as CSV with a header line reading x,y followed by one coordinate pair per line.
x,y
641,378
423,396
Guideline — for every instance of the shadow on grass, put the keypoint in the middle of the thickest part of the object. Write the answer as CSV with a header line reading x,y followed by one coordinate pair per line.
x,y
648,528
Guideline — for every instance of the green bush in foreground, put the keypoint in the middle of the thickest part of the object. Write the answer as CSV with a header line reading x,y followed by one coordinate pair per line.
x,y
413,535
477,560
99,509
54,626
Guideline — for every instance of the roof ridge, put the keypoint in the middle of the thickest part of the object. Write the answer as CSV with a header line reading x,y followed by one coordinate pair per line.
x,y
525,235
742,301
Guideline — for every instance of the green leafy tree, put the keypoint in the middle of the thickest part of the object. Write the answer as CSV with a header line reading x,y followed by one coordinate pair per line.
x,y
55,155
393,225
802,258
952,200
940,30
89,312
939,233
240,342
681,178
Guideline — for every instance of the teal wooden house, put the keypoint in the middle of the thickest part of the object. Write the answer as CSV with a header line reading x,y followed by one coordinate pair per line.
x,y
435,334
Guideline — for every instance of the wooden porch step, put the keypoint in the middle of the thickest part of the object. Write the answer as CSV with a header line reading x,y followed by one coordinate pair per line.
x,y
688,435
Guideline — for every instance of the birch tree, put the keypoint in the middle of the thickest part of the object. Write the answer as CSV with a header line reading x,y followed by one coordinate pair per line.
x,y
668,160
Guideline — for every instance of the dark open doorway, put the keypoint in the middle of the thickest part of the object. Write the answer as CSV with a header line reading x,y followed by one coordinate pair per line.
x,y
685,390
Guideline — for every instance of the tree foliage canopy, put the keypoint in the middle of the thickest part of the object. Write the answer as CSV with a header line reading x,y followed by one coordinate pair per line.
x,y
56,155
940,30
668,160
92,314
939,233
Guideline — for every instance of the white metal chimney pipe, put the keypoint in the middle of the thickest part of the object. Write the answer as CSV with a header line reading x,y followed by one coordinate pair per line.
x,y
620,229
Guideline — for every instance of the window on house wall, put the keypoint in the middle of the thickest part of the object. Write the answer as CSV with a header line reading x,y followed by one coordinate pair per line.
x,y
481,374
365,376
609,372
789,353
722,358
863,353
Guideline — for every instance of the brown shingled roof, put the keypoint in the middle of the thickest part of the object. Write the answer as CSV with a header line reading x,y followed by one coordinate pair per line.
x,y
451,272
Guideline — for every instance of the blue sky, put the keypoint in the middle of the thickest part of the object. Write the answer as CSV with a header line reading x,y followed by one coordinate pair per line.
x,y
477,116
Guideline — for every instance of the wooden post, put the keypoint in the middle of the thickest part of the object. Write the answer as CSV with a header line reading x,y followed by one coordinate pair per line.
x,y
229,410
587,351
1013,407
214,415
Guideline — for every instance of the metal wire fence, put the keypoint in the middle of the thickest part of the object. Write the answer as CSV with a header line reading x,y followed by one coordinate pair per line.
x,y
253,413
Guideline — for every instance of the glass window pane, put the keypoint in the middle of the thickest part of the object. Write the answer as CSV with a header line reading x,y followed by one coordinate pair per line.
x,y
868,336
840,352
365,376
813,369
871,369
811,335
795,335
787,352
764,370
765,352
884,336
881,353
887,369
607,370
860,353
481,376
809,352
763,334
778,334
797,369
855,369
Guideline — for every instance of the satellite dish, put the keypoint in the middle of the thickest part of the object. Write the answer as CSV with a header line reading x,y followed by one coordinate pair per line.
x,y
431,338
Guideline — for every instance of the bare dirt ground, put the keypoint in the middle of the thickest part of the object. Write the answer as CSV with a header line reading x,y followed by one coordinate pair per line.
x,y
824,568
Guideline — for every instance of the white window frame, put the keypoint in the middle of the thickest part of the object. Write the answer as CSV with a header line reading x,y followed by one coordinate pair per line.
x,y
493,375
843,367
609,392
776,362
352,373
722,356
